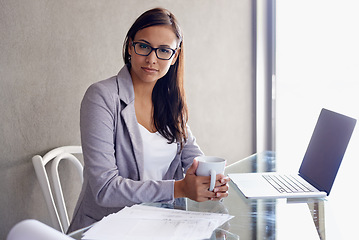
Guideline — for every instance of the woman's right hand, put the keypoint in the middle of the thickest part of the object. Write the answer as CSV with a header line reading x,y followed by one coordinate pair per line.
x,y
197,187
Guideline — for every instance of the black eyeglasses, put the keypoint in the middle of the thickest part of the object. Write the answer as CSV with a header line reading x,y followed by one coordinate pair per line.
x,y
143,49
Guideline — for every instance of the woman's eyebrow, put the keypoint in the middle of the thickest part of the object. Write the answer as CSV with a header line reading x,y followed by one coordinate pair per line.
x,y
147,42
143,40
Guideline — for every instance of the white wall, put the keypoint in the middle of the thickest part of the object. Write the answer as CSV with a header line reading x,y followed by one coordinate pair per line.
x,y
51,51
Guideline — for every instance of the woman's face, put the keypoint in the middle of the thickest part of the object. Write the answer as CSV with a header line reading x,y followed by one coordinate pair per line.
x,y
148,69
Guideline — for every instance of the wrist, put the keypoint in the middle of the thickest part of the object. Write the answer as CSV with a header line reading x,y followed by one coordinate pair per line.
x,y
179,189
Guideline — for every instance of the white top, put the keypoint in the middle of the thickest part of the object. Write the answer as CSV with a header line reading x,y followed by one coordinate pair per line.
x,y
157,154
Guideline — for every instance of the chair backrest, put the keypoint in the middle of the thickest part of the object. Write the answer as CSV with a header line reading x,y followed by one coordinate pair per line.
x,y
58,210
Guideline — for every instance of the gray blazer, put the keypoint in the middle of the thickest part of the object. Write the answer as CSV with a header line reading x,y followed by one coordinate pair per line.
x,y
113,157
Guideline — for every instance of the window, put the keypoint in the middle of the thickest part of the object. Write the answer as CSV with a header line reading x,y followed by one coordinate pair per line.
x,y
317,66
317,53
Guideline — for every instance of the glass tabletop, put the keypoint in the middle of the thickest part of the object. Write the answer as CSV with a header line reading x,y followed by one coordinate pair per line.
x,y
264,219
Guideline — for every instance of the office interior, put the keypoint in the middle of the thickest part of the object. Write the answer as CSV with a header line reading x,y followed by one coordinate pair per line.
x,y
250,86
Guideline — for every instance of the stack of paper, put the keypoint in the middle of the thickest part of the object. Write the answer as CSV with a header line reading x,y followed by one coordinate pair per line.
x,y
146,222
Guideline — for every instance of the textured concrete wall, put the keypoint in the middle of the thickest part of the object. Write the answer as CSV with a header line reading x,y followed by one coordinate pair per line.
x,y
51,51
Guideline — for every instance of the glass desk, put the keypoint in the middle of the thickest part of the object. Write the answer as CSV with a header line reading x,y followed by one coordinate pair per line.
x,y
266,219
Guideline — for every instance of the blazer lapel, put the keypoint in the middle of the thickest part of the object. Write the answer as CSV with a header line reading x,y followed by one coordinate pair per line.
x,y
129,116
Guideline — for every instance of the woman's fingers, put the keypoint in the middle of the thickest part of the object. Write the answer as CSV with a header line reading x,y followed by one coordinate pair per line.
x,y
221,189
221,179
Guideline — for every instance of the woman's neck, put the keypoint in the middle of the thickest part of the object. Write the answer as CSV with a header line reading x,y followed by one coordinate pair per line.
x,y
143,104
143,90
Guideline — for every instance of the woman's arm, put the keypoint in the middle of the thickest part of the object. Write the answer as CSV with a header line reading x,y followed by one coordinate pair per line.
x,y
196,187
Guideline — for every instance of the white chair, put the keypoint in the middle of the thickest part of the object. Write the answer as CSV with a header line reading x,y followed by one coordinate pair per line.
x,y
58,211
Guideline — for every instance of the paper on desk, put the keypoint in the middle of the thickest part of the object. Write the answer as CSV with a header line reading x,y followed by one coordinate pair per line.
x,y
31,229
145,222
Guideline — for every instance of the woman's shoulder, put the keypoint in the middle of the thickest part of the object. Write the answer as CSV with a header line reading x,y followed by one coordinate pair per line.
x,y
122,81
107,84
101,91
112,90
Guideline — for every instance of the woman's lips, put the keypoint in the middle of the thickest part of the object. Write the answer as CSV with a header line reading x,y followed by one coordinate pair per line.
x,y
149,70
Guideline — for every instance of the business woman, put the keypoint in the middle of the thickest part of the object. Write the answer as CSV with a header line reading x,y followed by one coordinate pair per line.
x,y
135,138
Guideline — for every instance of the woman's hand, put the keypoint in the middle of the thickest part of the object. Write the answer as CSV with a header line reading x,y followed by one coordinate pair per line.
x,y
221,188
196,187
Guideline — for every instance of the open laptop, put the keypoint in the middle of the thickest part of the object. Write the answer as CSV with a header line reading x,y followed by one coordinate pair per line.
x,y
318,169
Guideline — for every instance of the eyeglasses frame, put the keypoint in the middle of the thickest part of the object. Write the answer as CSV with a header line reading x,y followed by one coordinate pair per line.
x,y
153,49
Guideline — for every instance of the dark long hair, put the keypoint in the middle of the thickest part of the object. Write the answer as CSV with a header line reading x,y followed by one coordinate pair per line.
x,y
170,112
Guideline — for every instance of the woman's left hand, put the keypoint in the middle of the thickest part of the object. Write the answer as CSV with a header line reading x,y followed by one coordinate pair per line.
x,y
221,187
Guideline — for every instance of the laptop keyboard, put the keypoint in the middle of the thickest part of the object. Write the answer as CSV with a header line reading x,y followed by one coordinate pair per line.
x,y
286,183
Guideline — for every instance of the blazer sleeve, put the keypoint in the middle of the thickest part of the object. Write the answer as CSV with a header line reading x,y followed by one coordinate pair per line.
x,y
109,187
190,150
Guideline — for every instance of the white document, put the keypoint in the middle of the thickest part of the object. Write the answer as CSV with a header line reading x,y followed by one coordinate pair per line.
x,y
146,222
32,229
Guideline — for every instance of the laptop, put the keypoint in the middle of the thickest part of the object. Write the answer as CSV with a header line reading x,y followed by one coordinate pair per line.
x,y
318,169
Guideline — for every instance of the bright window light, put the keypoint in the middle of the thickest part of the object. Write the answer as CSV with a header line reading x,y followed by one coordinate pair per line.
x,y
317,52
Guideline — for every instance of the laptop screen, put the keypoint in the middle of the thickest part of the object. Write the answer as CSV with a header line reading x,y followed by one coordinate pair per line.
x,y
326,149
